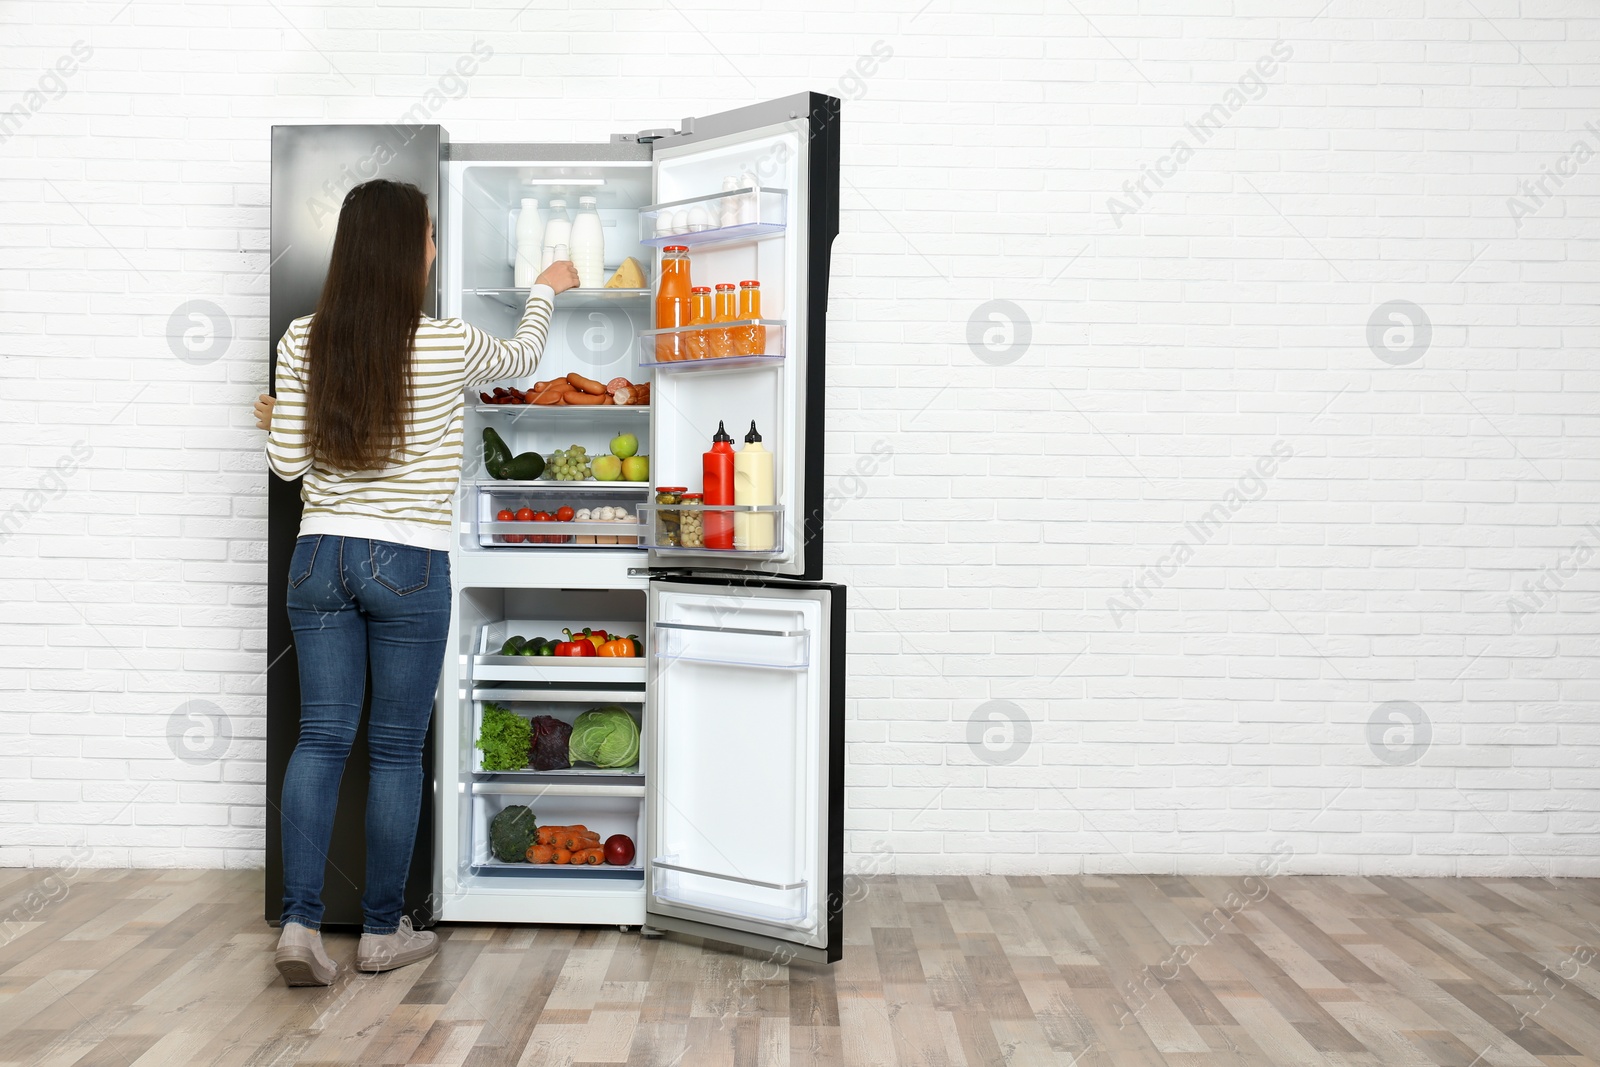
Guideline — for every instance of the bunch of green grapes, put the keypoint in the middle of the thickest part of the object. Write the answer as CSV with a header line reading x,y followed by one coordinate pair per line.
x,y
568,465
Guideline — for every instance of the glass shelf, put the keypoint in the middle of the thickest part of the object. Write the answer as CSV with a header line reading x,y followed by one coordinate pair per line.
x,y
773,354
565,412
516,299
743,214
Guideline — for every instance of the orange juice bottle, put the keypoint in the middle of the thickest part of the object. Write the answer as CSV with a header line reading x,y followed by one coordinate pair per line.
x,y
672,303
699,312
721,341
750,340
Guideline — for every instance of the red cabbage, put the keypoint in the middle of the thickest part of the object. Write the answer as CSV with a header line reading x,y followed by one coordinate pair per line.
x,y
547,747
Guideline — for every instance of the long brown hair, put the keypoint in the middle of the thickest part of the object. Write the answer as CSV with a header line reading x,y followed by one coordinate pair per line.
x,y
358,353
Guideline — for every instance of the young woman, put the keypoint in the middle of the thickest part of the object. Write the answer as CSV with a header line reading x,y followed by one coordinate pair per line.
x,y
369,410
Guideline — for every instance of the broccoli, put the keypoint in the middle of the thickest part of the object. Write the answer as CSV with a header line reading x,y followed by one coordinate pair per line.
x,y
511,832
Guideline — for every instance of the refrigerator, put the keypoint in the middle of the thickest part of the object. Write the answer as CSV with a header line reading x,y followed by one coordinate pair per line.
x,y
735,805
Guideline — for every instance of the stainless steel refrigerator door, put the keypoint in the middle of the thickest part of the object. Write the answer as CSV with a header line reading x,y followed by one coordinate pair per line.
x,y
791,144
312,169
744,715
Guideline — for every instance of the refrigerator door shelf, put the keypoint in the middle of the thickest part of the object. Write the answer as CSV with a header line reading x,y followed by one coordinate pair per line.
x,y
578,299
774,346
664,529
729,646
760,213
637,488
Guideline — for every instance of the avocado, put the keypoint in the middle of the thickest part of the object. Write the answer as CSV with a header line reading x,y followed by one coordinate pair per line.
x,y
525,468
496,455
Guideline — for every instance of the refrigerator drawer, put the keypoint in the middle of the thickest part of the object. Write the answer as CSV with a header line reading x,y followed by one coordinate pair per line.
x,y
601,518
605,815
557,669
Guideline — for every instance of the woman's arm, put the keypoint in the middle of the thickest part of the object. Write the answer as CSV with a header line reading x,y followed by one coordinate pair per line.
x,y
489,359
288,452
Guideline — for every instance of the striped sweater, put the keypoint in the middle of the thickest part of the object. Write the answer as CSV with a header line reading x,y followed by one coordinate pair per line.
x,y
409,502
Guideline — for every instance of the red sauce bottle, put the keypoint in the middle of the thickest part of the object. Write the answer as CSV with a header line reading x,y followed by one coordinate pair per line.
x,y
717,486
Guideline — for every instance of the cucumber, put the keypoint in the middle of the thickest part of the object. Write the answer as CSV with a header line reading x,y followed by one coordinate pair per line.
x,y
513,646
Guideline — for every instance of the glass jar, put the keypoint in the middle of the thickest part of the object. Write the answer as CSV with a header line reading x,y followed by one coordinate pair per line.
x,y
692,525
750,340
668,520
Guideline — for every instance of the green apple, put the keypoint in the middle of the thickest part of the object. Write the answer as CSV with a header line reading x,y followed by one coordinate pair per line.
x,y
624,445
634,469
607,468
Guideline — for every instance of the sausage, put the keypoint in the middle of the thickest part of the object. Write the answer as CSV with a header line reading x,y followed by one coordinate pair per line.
x,y
548,398
539,387
617,383
623,394
588,385
585,398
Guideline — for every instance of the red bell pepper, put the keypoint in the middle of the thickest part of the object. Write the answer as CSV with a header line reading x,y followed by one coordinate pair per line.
x,y
580,647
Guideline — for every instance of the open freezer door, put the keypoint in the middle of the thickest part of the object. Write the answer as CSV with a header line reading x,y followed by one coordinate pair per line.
x,y
753,195
744,729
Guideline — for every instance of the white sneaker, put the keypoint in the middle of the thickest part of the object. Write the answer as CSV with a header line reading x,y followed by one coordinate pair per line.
x,y
385,952
301,959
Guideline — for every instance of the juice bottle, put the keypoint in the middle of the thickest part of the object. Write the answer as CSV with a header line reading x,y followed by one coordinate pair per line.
x,y
721,341
699,312
717,487
750,340
672,303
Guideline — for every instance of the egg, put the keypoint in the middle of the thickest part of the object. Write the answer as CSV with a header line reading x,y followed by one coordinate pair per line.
x,y
699,219
680,222
664,224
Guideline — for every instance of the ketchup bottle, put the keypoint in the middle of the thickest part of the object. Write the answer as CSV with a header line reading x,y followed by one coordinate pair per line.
x,y
717,486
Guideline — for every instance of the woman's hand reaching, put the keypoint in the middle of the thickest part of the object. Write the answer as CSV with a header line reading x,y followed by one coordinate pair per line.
x,y
560,276
263,411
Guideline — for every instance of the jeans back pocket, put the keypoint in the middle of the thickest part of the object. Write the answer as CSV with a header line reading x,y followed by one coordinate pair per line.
x,y
304,559
401,569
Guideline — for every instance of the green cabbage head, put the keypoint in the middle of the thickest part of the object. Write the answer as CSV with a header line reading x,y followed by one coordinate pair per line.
x,y
605,736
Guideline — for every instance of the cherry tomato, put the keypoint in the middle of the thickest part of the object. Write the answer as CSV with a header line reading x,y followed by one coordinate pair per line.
x,y
507,515
564,514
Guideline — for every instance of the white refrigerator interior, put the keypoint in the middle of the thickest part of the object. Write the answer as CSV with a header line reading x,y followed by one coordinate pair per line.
x,y
728,807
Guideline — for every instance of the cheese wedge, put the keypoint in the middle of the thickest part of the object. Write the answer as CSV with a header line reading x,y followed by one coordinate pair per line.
x,y
628,276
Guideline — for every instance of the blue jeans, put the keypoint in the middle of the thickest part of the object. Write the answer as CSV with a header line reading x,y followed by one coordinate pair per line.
x,y
352,600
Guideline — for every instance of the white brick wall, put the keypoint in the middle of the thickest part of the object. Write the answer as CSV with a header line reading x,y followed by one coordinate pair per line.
x,y
998,507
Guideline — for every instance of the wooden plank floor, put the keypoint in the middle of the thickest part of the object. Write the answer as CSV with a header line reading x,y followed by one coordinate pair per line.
x,y
151,968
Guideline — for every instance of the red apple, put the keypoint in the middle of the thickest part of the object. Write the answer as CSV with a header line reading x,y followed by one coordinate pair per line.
x,y
619,850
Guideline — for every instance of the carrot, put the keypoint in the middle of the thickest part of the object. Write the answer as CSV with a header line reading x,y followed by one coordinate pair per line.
x,y
563,856
588,385
540,853
592,857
